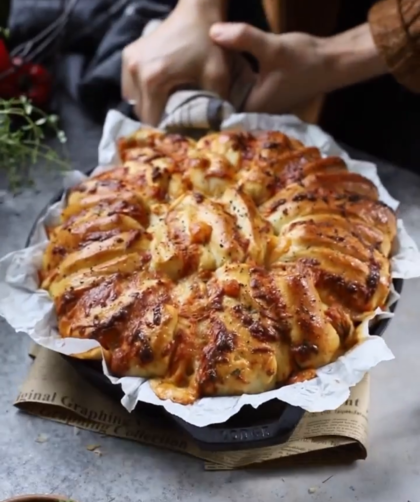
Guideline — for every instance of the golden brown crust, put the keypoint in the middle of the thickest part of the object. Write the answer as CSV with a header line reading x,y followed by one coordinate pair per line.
x,y
230,266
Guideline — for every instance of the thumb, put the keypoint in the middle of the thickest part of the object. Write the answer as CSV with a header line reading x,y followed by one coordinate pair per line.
x,y
241,37
216,75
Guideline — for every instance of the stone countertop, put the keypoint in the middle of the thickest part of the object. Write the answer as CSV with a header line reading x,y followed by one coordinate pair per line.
x,y
129,472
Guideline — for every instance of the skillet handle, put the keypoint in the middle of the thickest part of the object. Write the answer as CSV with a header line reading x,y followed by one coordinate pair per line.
x,y
217,438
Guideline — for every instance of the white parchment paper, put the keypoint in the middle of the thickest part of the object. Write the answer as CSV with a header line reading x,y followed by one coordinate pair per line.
x,y
30,310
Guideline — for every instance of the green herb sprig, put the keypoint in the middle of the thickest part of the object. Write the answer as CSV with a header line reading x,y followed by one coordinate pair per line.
x,y
22,132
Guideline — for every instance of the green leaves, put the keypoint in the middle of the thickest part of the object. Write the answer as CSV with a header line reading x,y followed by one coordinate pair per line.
x,y
5,32
61,137
22,131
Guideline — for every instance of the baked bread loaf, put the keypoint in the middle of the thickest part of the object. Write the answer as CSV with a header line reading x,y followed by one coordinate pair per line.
x,y
226,266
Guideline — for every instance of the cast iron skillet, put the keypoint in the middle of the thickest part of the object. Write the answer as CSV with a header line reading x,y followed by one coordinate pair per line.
x,y
271,424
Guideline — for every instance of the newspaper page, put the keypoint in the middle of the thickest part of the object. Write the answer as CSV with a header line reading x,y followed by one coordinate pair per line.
x,y
69,399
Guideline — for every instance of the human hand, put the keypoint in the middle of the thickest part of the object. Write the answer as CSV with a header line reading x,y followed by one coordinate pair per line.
x,y
177,54
292,68
295,67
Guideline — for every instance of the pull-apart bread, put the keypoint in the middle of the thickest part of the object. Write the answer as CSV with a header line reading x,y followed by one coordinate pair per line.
x,y
226,266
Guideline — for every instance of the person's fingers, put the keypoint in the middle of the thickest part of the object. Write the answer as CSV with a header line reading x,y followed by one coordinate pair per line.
x,y
241,37
136,104
255,101
268,97
216,76
242,81
153,94
128,85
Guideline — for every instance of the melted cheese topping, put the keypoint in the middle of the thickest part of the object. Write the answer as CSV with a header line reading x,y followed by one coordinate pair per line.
x,y
232,265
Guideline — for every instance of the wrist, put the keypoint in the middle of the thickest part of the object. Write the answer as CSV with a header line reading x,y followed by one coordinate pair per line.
x,y
350,57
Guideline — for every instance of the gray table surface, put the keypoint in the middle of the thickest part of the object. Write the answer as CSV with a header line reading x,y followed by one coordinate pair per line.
x,y
133,472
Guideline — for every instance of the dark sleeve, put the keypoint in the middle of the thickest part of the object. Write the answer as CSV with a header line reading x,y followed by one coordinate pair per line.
x,y
395,26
